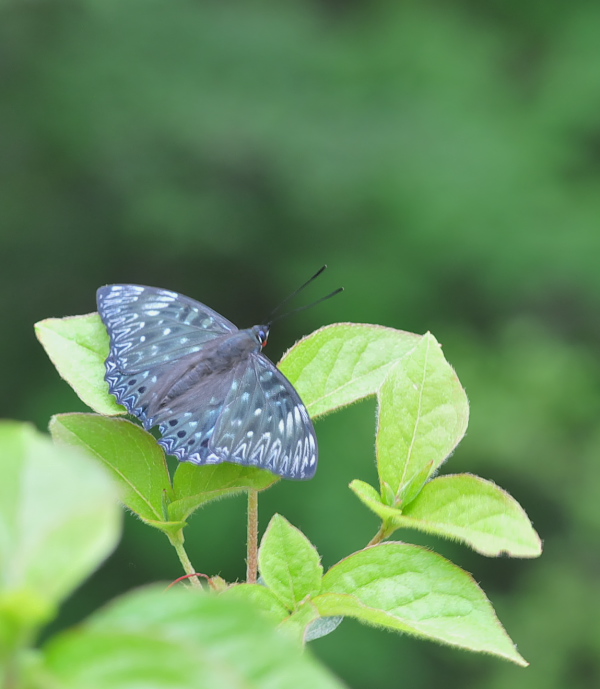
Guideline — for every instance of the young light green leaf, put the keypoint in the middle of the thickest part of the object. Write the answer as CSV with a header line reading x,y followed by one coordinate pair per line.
x,y
478,512
411,589
177,640
59,519
371,498
423,414
194,486
78,347
289,563
130,453
343,363
262,598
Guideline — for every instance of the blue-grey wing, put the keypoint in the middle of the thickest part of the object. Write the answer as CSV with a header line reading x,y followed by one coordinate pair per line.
x,y
248,413
252,416
149,326
187,424
265,424
142,394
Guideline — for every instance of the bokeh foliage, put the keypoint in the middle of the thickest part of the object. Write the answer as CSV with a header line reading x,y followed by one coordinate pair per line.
x,y
442,157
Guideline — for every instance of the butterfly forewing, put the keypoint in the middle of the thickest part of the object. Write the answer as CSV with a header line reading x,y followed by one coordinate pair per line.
x,y
177,364
150,326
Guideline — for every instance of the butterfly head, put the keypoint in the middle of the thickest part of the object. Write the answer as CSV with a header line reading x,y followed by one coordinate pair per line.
x,y
261,333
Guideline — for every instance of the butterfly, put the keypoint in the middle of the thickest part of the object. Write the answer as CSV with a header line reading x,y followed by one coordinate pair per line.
x,y
177,364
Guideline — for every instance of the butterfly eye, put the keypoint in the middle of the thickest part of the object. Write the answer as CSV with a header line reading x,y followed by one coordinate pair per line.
x,y
263,336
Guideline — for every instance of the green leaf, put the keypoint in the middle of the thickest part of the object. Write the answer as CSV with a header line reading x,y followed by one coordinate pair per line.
x,y
289,563
300,621
305,624
371,498
478,512
78,347
262,598
343,363
194,485
131,454
59,519
180,639
412,589
423,414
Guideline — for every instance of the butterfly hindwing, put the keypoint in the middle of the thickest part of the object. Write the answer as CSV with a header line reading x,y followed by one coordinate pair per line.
x,y
260,422
264,423
134,391
187,429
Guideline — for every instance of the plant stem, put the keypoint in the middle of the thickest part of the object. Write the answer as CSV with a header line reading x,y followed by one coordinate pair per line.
x,y
12,649
177,543
10,679
252,552
383,532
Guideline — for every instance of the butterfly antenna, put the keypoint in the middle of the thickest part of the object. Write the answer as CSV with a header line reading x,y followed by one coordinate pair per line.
x,y
308,306
294,293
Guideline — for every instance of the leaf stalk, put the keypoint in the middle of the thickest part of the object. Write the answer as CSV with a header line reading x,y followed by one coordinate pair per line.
x,y
252,542
177,540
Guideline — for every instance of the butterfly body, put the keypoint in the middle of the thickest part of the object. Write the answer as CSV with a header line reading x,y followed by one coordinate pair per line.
x,y
176,364
218,358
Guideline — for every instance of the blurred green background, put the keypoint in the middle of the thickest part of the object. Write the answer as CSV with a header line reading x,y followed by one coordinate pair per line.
x,y
442,157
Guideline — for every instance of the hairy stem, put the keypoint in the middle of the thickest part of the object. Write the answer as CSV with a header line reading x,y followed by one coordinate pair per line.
x,y
177,543
10,679
383,533
252,552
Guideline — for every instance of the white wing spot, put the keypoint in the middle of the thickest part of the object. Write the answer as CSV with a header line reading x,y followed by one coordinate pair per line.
x,y
167,331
